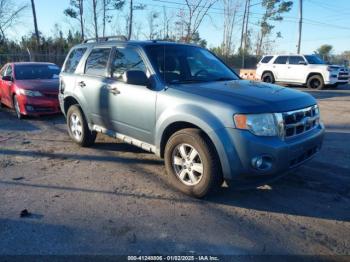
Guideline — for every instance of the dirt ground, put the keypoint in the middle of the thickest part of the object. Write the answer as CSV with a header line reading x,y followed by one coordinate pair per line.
x,y
114,198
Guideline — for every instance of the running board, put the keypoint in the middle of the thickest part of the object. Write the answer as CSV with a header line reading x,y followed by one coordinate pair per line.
x,y
125,139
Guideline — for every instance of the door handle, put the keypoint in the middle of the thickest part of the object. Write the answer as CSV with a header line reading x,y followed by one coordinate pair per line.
x,y
114,90
81,84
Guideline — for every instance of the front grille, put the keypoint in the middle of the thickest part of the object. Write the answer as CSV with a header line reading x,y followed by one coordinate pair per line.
x,y
300,121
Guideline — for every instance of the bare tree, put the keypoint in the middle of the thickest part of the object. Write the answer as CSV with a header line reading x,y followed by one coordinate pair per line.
x,y
107,6
132,8
166,21
9,15
230,12
94,11
152,26
76,11
274,10
195,12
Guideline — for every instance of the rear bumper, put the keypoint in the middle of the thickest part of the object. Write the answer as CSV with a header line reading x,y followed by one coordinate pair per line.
x,y
242,147
36,106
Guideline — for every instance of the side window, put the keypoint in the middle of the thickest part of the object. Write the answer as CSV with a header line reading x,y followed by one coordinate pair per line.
x,y
126,59
3,70
281,60
266,59
294,60
8,71
96,63
73,60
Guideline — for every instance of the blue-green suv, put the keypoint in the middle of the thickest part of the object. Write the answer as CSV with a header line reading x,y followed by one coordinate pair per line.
x,y
182,103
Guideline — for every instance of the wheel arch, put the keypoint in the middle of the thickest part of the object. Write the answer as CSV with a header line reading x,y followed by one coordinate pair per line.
x,y
313,74
268,71
72,100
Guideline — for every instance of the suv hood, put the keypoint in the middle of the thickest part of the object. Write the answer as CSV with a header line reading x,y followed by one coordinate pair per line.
x,y
250,96
43,85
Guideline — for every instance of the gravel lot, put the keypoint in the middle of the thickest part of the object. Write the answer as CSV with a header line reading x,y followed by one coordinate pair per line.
x,y
114,198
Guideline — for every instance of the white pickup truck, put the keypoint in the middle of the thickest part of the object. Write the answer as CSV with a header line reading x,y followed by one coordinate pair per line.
x,y
309,70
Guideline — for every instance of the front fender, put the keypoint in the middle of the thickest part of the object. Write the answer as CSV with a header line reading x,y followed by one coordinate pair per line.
x,y
207,122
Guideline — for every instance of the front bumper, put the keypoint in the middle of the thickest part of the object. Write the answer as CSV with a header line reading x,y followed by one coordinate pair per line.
x,y
336,78
242,146
36,106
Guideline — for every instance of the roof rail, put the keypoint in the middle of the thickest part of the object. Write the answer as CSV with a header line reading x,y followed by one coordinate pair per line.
x,y
106,38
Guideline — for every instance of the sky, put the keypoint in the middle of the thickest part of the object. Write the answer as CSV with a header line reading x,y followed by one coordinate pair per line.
x,y
325,22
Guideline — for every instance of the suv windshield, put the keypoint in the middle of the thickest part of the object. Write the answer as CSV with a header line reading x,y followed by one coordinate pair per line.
x,y
178,64
314,60
31,71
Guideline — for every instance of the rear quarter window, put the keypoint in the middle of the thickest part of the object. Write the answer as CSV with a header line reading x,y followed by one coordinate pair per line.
x,y
73,60
266,59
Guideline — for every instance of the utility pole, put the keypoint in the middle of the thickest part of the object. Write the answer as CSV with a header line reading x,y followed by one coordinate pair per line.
x,y
35,24
300,24
245,34
130,19
242,33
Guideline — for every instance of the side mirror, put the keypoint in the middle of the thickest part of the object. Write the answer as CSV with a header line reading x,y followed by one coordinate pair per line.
x,y
302,63
7,78
136,77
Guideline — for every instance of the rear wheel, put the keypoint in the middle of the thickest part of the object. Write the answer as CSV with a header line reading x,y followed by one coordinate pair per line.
x,y
268,78
192,163
315,82
17,108
78,128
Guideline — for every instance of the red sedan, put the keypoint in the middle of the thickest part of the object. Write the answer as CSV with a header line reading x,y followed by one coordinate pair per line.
x,y
30,88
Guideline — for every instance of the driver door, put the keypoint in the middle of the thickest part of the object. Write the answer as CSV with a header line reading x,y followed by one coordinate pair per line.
x,y
133,107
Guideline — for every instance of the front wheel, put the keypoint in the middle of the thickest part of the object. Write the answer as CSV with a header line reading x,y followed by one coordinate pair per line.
x,y
315,82
78,128
268,78
17,108
192,163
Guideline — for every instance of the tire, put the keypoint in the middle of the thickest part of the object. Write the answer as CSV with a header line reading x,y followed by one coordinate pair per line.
x,y
78,128
315,82
16,107
192,163
268,78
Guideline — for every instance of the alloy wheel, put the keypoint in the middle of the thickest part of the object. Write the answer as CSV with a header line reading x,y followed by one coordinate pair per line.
x,y
76,126
187,164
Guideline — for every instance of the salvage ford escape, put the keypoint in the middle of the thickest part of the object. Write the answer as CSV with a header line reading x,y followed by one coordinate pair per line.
x,y
182,103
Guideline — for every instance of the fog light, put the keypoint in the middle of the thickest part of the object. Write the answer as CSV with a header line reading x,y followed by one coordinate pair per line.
x,y
262,162
257,162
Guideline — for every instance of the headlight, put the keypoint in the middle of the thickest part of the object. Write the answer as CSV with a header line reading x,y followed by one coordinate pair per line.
x,y
258,124
30,92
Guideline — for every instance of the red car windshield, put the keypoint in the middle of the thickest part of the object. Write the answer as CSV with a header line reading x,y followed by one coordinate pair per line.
x,y
28,72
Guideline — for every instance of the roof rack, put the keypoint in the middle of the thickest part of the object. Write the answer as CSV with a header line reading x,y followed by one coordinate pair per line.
x,y
105,39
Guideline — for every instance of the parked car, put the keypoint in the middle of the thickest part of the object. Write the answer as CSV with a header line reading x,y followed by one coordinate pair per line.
x,y
309,70
31,88
183,104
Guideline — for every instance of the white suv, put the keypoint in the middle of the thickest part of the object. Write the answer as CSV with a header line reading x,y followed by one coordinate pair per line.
x,y
309,70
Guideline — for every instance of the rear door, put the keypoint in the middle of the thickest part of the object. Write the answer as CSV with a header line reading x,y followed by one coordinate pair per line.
x,y
296,69
132,107
280,68
91,85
